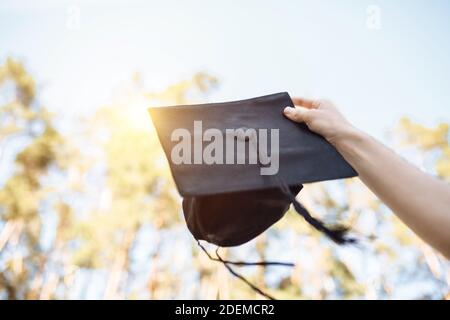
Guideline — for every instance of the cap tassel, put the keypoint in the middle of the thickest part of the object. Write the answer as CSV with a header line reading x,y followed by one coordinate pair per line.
x,y
337,233
226,263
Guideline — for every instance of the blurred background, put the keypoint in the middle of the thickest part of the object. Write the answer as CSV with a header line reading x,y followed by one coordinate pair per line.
x,y
88,208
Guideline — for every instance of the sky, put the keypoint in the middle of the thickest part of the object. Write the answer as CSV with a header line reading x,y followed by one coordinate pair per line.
x,y
378,60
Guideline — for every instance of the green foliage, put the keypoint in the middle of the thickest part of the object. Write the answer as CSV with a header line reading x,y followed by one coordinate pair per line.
x,y
23,193
428,140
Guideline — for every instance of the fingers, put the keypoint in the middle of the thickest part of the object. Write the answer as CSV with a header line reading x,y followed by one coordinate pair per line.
x,y
307,103
298,114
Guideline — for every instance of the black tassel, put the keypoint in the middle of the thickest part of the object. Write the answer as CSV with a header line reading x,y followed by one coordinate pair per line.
x,y
226,263
337,234
251,285
247,264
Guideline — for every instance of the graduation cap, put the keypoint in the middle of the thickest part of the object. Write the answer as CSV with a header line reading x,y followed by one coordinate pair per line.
x,y
239,166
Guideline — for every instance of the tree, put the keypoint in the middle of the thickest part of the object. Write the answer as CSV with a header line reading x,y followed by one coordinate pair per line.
x,y
24,262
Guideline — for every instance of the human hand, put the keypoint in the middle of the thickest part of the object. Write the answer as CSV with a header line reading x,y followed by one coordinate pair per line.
x,y
321,117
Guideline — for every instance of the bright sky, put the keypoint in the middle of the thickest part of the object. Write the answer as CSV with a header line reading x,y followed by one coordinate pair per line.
x,y
314,48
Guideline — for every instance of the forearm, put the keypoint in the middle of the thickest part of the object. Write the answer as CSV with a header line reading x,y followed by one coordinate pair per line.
x,y
422,202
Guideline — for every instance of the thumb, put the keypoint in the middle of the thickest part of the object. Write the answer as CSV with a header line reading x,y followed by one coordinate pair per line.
x,y
298,114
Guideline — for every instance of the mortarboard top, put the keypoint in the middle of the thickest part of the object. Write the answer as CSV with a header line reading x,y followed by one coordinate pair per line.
x,y
303,155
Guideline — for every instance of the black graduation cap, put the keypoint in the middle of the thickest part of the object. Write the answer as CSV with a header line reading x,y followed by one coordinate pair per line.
x,y
233,196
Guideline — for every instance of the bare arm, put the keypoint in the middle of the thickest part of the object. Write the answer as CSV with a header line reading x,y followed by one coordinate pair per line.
x,y
421,201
